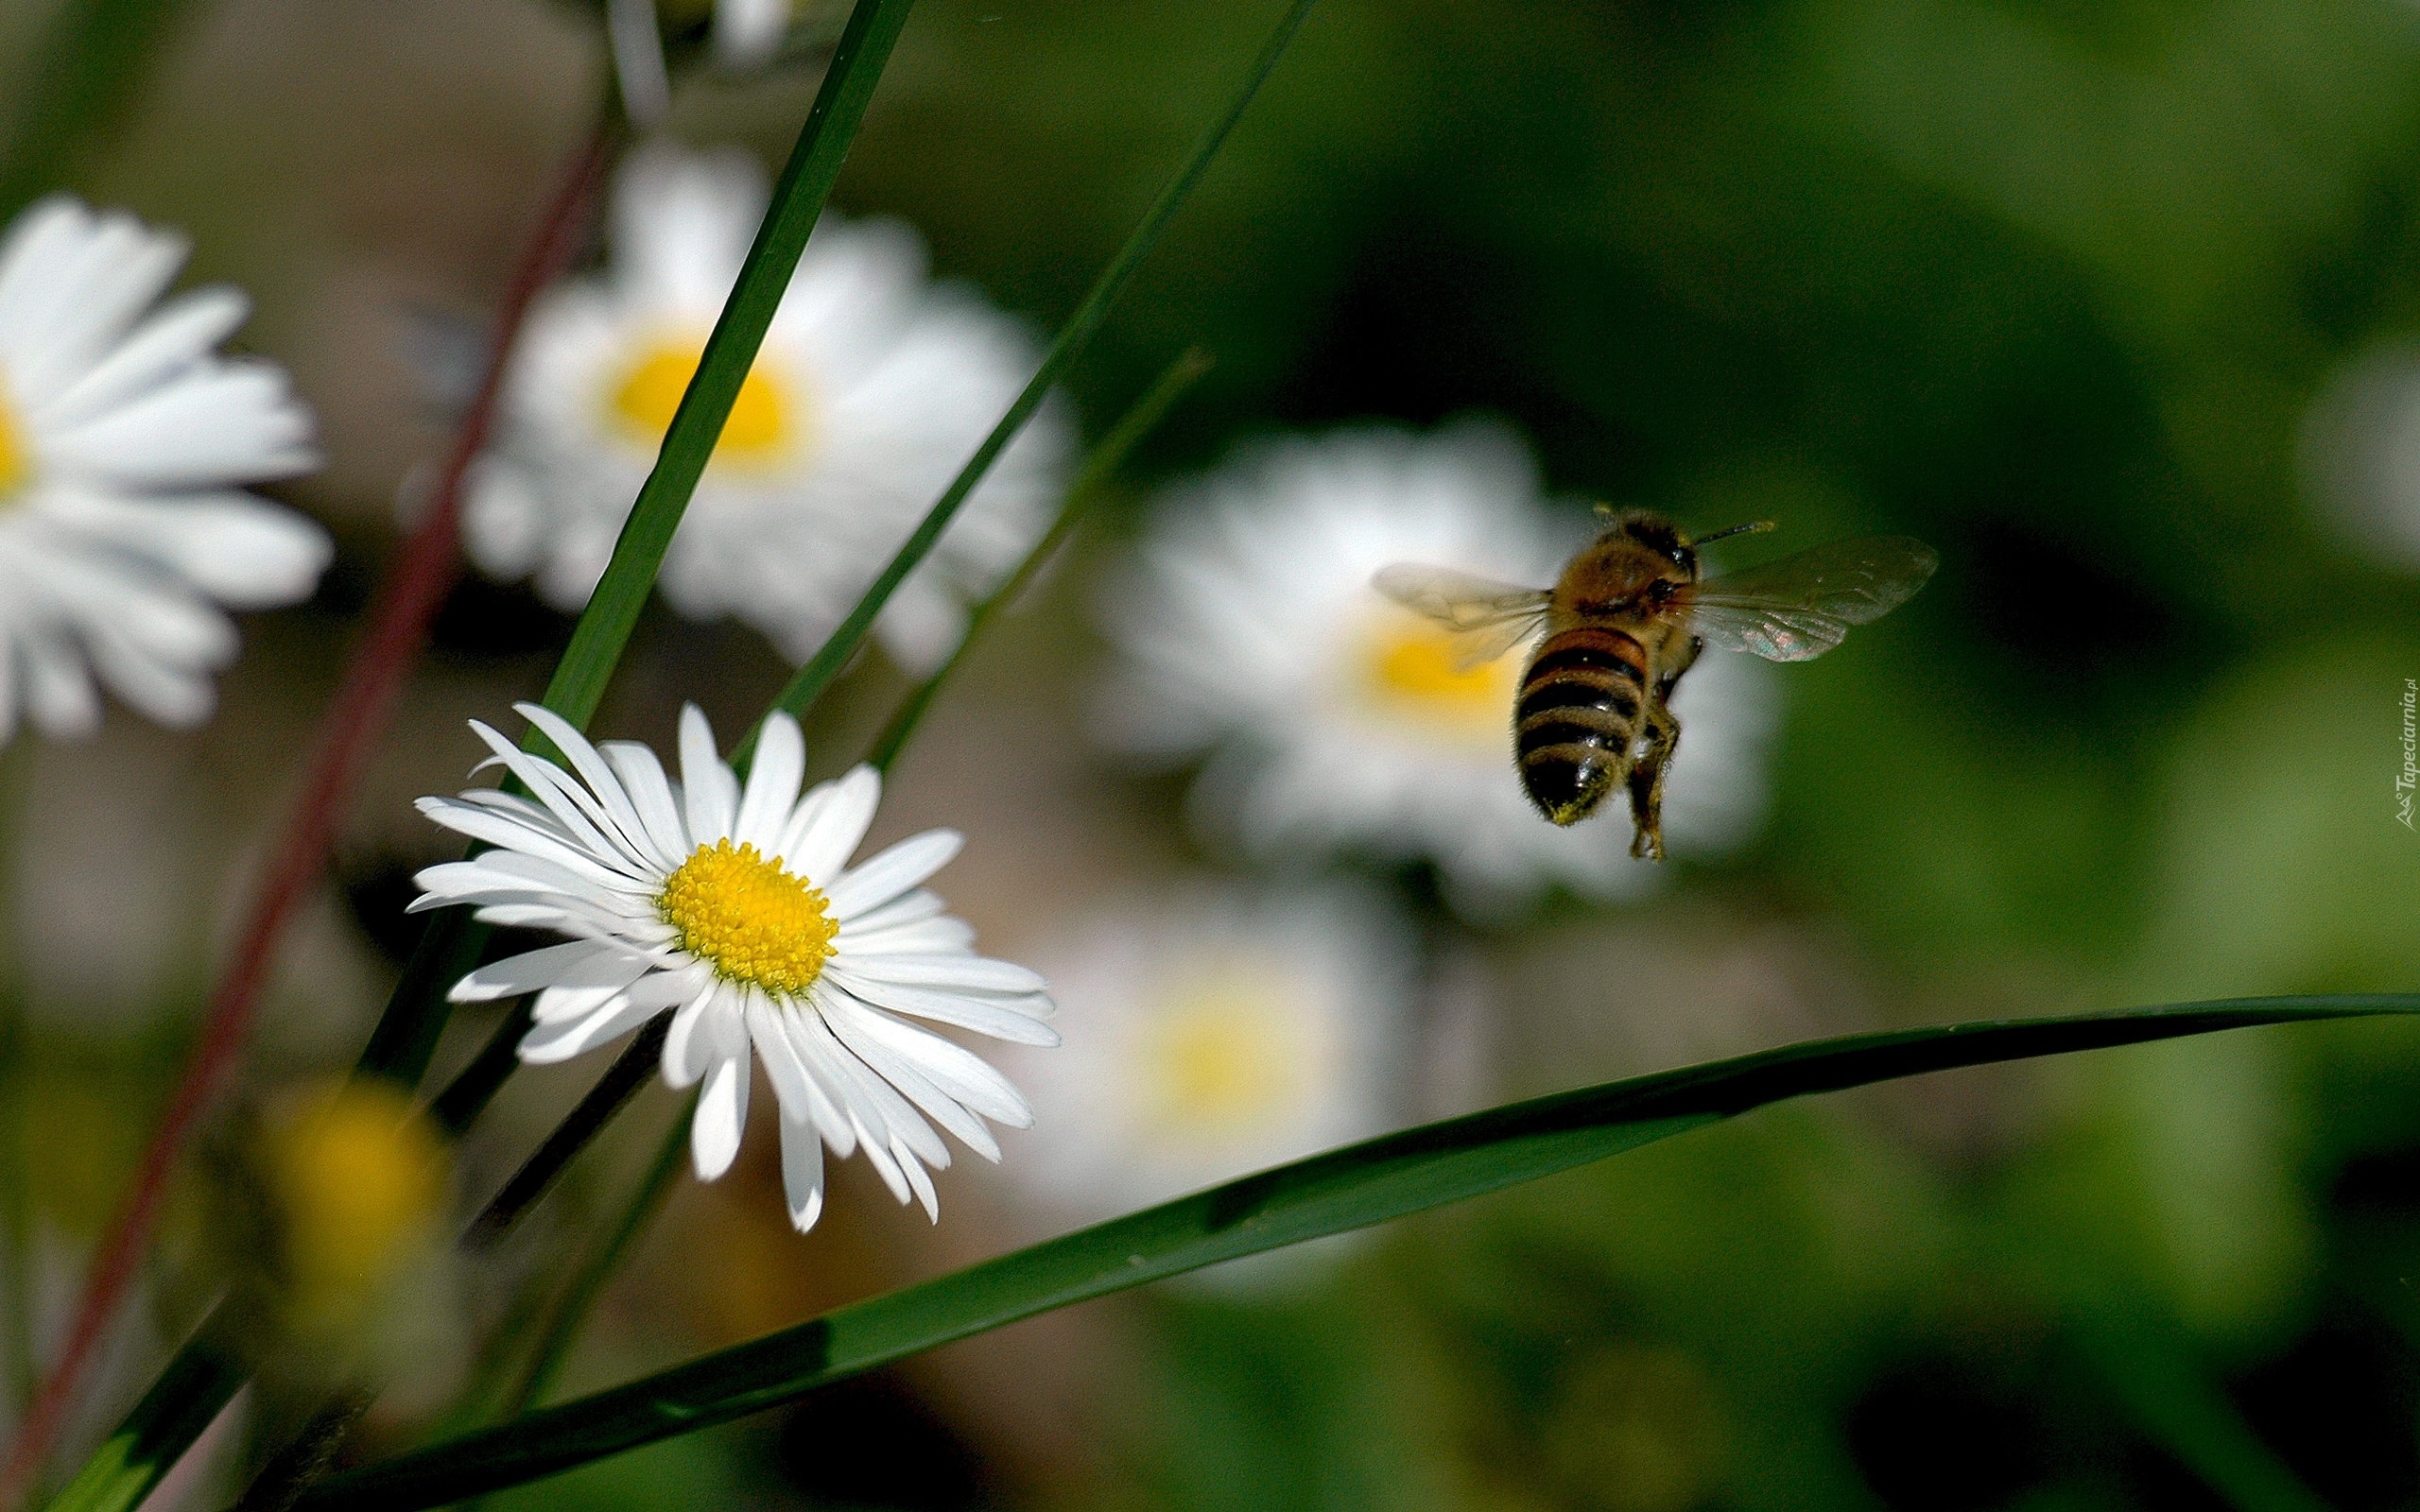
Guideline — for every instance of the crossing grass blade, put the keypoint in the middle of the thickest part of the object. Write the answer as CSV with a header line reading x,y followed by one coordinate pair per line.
x,y
1090,485
805,183
809,681
1352,1188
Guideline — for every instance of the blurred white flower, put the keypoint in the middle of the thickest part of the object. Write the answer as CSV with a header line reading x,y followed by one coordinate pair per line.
x,y
2360,454
1210,1035
749,32
1336,720
633,34
871,390
123,439
736,907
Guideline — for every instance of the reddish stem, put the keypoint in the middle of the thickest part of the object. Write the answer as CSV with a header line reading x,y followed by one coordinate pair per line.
x,y
364,706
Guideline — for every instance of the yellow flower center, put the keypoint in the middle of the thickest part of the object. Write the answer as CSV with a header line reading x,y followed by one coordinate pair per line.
x,y
16,460
768,420
1218,1061
749,920
358,1178
1408,675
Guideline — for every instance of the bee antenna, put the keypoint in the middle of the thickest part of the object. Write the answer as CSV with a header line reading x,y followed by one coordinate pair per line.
x,y
1753,527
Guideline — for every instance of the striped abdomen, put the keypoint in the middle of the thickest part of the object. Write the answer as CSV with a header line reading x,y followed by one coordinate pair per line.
x,y
1573,722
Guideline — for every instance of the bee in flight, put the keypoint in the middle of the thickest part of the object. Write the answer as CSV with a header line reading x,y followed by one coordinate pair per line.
x,y
1626,619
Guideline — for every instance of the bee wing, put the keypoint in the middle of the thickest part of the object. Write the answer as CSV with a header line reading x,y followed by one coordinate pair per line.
x,y
1803,605
1487,617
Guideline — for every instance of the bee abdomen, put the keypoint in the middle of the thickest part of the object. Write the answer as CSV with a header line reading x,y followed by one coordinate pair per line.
x,y
1574,720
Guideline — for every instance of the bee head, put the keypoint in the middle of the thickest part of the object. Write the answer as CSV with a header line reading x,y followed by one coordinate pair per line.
x,y
1657,535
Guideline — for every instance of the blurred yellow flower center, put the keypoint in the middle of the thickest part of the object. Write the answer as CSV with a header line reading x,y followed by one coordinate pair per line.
x,y
357,1177
749,920
1409,671
16,463
1218,1061
767,423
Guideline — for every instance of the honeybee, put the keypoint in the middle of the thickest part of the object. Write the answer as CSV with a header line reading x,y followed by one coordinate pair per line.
x,y
1626,619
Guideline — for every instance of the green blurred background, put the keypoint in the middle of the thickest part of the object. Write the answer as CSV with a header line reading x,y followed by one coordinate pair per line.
x,y
2054,285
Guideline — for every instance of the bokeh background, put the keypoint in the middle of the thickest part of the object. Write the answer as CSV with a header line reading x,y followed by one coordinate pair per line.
x,y
2106,300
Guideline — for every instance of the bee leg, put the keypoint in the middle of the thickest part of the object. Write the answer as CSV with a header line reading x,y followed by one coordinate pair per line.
x,y
1663,736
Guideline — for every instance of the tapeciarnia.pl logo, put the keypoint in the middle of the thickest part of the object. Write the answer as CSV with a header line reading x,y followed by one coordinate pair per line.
x,y
2405,780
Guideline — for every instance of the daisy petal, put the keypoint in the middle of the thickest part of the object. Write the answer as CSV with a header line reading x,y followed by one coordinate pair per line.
x,y
817,848
893,872
913,908
952,1068
485,822
177,333
575,963
1000,1019
772,785
651,795
590,763
928,937
711,790
547,1044
802,1172
904,1077
721,1116
918,1178
795,1085
979,973
872,1101
690,1049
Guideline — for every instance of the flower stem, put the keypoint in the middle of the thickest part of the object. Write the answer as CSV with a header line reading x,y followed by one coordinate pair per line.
x,y
16,1088
1090,485
309,1456
455,1109
596,1268
621,1081
348,735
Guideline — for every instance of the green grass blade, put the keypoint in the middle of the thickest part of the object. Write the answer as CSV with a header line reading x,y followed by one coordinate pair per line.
x,y
810,681
1087,491
203,1378
1352,1188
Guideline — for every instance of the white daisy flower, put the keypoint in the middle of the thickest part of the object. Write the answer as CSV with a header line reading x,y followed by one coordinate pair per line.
x,y
747,33
2361,453
1212,1034
1336,719
871,390
734,907
123,440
